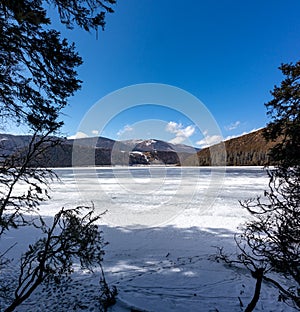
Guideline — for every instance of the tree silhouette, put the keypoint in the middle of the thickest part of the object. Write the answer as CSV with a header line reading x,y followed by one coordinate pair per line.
x,y
38,73
269,245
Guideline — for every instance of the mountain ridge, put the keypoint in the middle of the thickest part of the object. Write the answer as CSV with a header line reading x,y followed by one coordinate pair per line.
x,y
246,150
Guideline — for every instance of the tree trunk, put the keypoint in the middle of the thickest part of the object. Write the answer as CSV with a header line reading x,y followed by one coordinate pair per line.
x,y
258,274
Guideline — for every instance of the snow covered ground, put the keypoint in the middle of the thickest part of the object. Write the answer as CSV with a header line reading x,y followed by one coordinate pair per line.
x,y
163,226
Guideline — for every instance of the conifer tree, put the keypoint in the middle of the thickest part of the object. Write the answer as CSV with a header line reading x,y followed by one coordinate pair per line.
x,y
269,244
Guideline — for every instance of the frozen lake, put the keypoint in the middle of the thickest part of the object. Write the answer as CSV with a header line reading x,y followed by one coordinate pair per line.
x,y
154,196
163,225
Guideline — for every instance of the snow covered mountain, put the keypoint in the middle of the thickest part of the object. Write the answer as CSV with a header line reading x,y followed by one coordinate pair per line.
x,y
158,145
100,151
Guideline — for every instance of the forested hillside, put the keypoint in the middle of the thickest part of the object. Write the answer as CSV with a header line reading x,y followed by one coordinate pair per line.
x,y
247,150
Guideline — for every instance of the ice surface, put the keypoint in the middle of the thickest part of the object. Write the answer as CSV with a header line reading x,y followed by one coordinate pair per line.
x,y
163,225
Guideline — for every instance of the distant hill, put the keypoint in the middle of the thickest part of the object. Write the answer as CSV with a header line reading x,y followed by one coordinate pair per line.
x,y
99,151
9,143
247,150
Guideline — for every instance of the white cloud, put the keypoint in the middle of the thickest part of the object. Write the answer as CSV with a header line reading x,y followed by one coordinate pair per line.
x,y
95,132
78,135
209,140
181,133
233,125
177,140
172,126
125,130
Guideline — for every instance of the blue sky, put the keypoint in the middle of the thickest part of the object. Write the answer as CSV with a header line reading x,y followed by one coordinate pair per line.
x,y
225,53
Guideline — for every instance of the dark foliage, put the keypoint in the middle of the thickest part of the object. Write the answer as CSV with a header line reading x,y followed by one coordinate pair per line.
x,y
72,236
38,68
269,245
37,76
284,109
